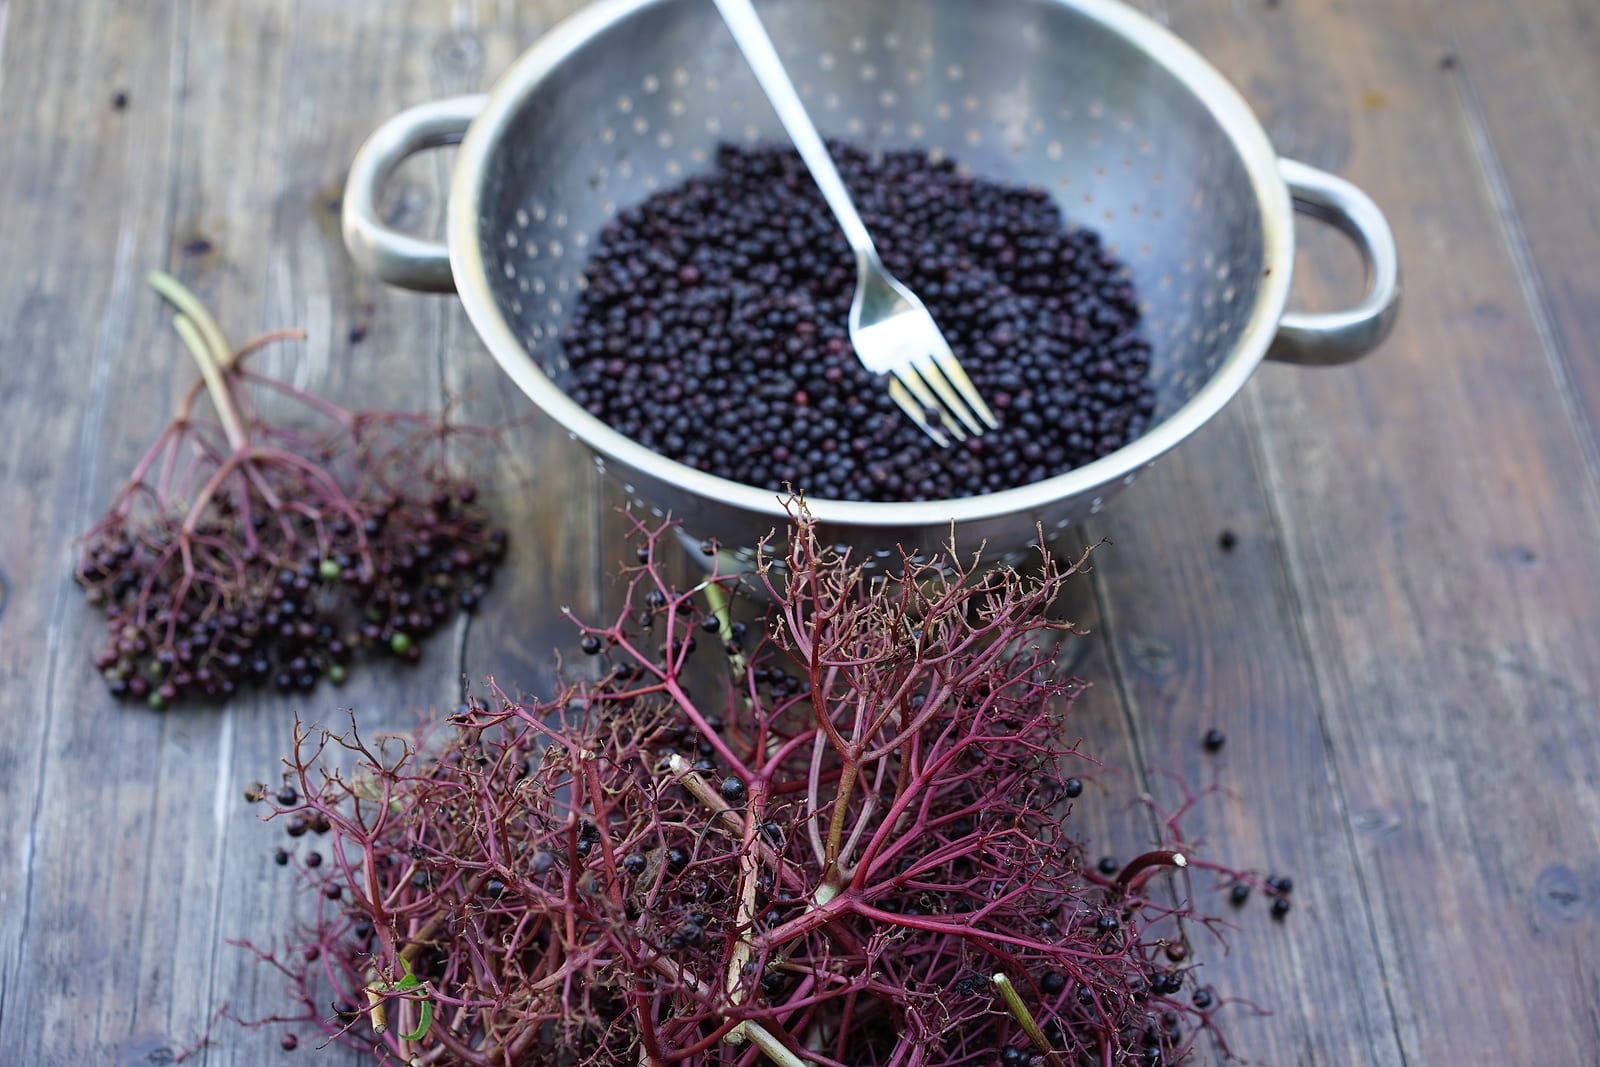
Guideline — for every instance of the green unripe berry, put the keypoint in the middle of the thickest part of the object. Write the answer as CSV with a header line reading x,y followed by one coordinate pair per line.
x,y
399,643
329,570
336,674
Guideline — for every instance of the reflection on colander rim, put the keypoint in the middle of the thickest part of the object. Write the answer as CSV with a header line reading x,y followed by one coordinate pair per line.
x,y
1127,127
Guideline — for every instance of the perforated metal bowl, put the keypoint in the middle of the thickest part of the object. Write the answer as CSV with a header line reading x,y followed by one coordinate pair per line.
x,y
1131,130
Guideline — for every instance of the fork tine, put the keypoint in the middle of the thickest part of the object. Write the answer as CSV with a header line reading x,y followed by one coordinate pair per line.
x,y
947,362
932,374
912,376
915,411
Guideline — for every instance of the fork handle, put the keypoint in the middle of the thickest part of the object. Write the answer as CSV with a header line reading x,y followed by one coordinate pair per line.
x,y
753,40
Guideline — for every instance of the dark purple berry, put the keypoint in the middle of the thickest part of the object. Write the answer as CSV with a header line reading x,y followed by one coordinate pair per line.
x,y
746,293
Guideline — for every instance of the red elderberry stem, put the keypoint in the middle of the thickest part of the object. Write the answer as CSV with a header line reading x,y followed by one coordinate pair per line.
x,y
1147,865
758,1033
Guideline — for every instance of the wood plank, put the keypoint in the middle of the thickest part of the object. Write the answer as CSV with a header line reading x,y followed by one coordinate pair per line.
x,y
1204,638
1435,508
86,209
367,345
1531,89
249,165
414,349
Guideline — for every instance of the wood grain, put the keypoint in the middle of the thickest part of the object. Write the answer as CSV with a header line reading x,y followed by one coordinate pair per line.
x,y
1399,645
1435,504
1530,89
1204,637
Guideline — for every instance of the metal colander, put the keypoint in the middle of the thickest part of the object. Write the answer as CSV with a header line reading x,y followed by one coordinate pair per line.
x,y
1133,133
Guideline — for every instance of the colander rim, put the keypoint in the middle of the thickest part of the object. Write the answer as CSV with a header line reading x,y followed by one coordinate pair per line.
x,y
1210,88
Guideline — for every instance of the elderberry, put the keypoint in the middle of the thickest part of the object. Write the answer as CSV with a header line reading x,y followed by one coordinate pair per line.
x,y
1166,983
970,985
733,789
729,293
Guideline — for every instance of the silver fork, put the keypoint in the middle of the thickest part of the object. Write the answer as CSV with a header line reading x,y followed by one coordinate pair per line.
x,y
893,333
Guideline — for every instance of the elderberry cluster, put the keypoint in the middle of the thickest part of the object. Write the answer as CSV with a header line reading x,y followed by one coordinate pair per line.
x,y
291,603
712,328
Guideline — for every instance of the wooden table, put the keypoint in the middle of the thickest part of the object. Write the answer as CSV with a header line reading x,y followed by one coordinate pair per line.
x,y
1400,646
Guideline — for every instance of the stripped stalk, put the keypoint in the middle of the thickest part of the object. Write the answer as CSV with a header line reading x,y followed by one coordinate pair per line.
x,y
1030,1026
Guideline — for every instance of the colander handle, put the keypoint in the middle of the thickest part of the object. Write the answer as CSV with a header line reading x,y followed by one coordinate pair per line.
x,y
400,258
1327,338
